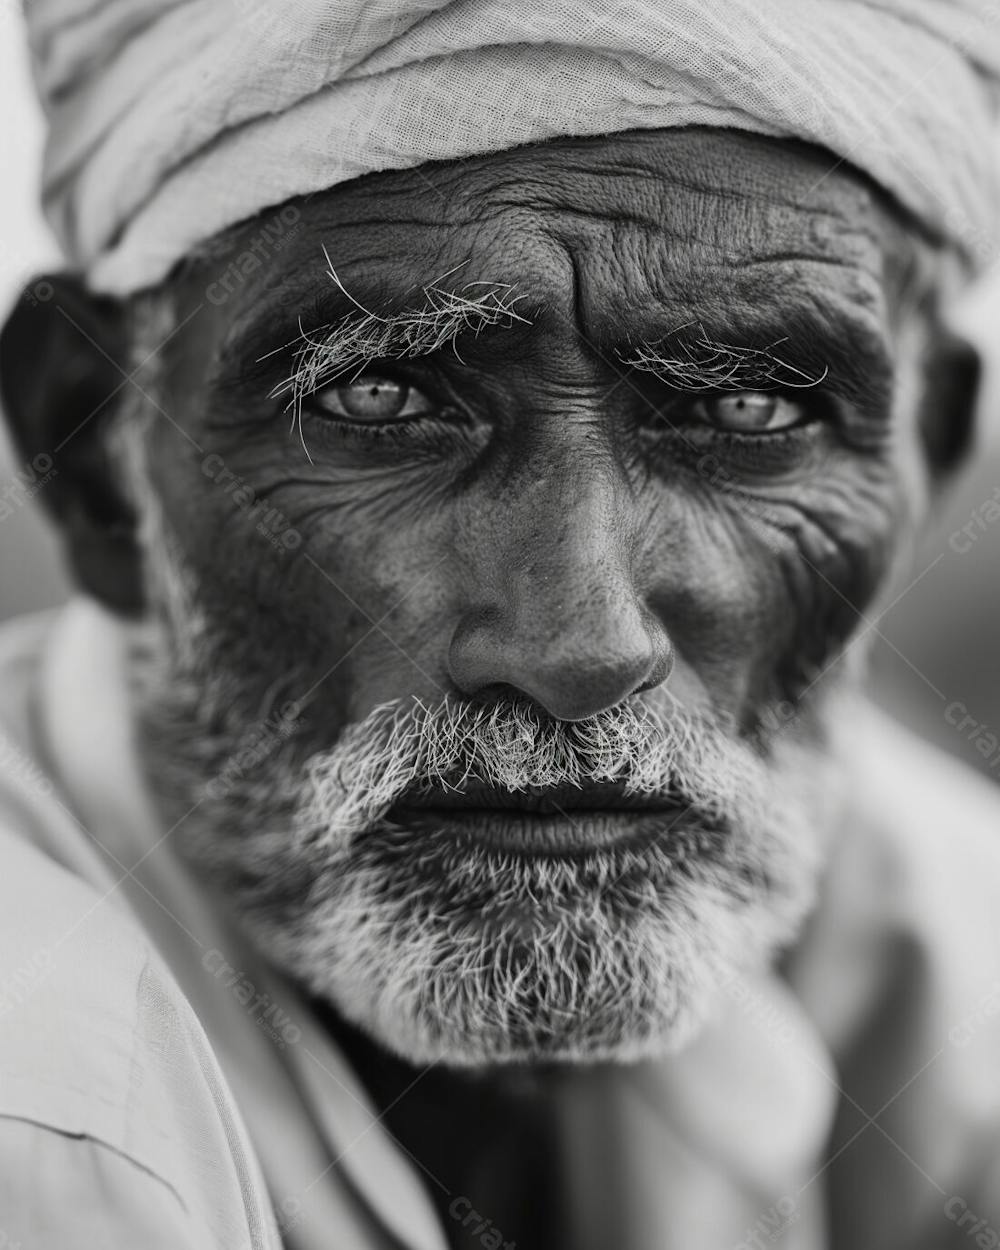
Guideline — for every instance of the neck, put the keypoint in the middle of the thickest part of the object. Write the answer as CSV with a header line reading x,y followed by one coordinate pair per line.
x,y
486,1142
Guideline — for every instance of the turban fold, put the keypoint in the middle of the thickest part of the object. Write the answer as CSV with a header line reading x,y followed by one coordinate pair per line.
x,y
172,119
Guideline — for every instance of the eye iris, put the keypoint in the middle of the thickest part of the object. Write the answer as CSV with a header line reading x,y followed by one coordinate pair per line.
x,y
745,410
373,399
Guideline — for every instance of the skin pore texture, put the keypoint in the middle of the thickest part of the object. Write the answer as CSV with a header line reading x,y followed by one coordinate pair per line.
x,y
511,517
493,536
563,571
527,552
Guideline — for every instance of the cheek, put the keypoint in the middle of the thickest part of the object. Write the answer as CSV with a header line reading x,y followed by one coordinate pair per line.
x,y
761,589
345,585
708,579
314,587
830,545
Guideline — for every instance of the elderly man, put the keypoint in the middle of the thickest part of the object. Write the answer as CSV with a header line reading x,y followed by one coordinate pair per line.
x,y
483,435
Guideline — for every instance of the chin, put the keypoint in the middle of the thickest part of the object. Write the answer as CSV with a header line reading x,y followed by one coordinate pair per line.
x,y
446,951
426,876
449,947
459,939
424,872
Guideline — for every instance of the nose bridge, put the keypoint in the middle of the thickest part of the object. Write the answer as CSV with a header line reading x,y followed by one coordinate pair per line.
x,y
571,559
566,626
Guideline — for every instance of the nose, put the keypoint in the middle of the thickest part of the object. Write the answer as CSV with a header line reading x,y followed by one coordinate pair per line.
x,y
565,625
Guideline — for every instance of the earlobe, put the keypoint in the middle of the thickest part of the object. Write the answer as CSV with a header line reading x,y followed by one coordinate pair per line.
x,y
948,409
63,374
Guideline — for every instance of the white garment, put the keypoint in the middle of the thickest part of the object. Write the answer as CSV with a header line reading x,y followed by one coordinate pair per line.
x,y
172,119
100,1039
129,1063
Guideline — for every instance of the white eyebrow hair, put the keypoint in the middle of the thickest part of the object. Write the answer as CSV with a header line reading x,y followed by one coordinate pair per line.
x,y
703,364
347,346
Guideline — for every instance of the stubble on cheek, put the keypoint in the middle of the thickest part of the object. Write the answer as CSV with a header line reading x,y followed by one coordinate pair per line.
x,y
830,549
222,666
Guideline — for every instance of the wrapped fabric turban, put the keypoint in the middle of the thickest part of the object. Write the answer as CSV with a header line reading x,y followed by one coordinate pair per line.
x,y
172,119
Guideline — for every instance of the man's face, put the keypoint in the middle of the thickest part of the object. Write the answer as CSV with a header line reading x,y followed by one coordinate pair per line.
x,y
507,521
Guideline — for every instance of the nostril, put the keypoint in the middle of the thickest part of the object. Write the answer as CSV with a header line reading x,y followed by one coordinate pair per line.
x,y
662,667
569,665
501,692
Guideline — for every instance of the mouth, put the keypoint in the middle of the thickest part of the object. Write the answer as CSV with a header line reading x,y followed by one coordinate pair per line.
x,y
554,820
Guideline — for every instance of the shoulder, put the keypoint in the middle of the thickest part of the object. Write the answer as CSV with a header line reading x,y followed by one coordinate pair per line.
x,y
58,1190
71,964
111,1093
913,876
899,968
900,964
931,825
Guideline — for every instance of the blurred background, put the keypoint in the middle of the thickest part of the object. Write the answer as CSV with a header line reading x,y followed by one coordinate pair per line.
x,y
936,648
30,572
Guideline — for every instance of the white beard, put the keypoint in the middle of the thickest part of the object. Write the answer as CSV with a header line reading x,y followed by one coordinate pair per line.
x,y
467,955
455,952
451,951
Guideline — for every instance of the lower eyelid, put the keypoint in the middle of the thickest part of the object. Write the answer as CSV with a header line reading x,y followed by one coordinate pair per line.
x,y
703,438
362,431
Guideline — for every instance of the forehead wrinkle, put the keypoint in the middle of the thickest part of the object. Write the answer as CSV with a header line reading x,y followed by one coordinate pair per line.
x,y
651,292
599,268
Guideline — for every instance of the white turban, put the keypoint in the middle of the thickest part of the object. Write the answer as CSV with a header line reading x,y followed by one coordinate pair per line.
x,y
172,119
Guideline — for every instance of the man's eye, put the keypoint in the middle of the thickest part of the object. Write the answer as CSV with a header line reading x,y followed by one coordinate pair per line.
x,y
373,398
750,412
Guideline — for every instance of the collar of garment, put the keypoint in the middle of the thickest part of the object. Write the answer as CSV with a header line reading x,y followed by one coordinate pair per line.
x,y
730,1131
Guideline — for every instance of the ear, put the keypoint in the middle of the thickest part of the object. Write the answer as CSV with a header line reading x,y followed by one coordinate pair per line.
x,y
63,372
947,411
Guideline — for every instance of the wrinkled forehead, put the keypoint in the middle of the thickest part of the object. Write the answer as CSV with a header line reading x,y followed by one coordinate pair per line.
x,y
610,232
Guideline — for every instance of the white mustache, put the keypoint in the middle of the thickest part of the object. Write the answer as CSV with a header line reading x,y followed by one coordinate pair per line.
x,y
406,744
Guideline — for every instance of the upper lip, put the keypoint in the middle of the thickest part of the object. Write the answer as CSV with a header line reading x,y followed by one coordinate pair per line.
x,y
600,796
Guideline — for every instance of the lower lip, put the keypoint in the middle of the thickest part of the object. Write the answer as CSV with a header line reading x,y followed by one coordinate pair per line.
x,y
536,833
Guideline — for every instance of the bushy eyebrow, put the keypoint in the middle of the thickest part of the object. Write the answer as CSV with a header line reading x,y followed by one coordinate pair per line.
x,y
802,343
441,317
690,360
